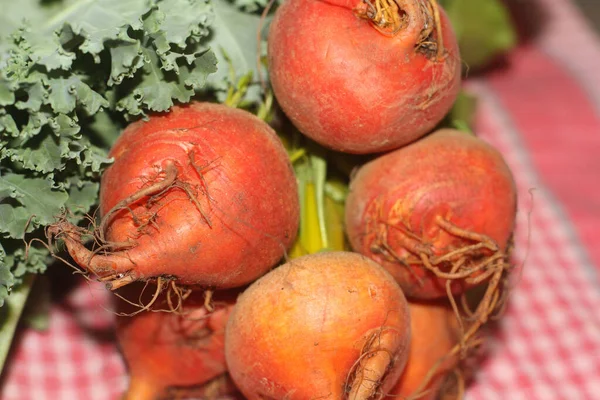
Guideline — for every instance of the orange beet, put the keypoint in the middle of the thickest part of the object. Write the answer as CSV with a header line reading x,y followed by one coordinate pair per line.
x,y
174,351
219,388
353,88
435,331
445,204
204,195
330,325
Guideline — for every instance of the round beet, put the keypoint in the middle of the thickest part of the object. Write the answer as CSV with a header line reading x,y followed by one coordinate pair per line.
x,y
361,81
435,333
167,351
439,210
202,195
324,326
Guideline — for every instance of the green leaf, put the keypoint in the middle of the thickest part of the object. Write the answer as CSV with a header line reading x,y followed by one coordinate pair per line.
x,y
46,50
153,92
82,196
156,92
34,259
36,93
100,20
8,125
234,41
174,68
250,5
44,157
49,153
7,279
105,128
90,100
126,59
34,12
36,198
180,20
195,76
65,93
483,27
177,33
16,263
13,220
62,95
37,121
7,96
94,160
65,126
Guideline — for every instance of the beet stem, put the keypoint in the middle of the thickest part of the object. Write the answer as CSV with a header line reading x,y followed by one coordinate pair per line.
x,y
438,28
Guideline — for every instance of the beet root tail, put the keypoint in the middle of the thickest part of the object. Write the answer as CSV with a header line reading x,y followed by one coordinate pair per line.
x,y
141,389
379,354
112,267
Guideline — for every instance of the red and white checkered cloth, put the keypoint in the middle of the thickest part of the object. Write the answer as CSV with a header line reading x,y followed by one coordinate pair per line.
x,y
543,113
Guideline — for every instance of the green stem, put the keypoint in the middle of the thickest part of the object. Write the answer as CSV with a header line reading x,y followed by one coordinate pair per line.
x,y
10,314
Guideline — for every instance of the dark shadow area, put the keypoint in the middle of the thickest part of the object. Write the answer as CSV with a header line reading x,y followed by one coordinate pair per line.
x,y
63,280
591,10
501,62
102,336
529,17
